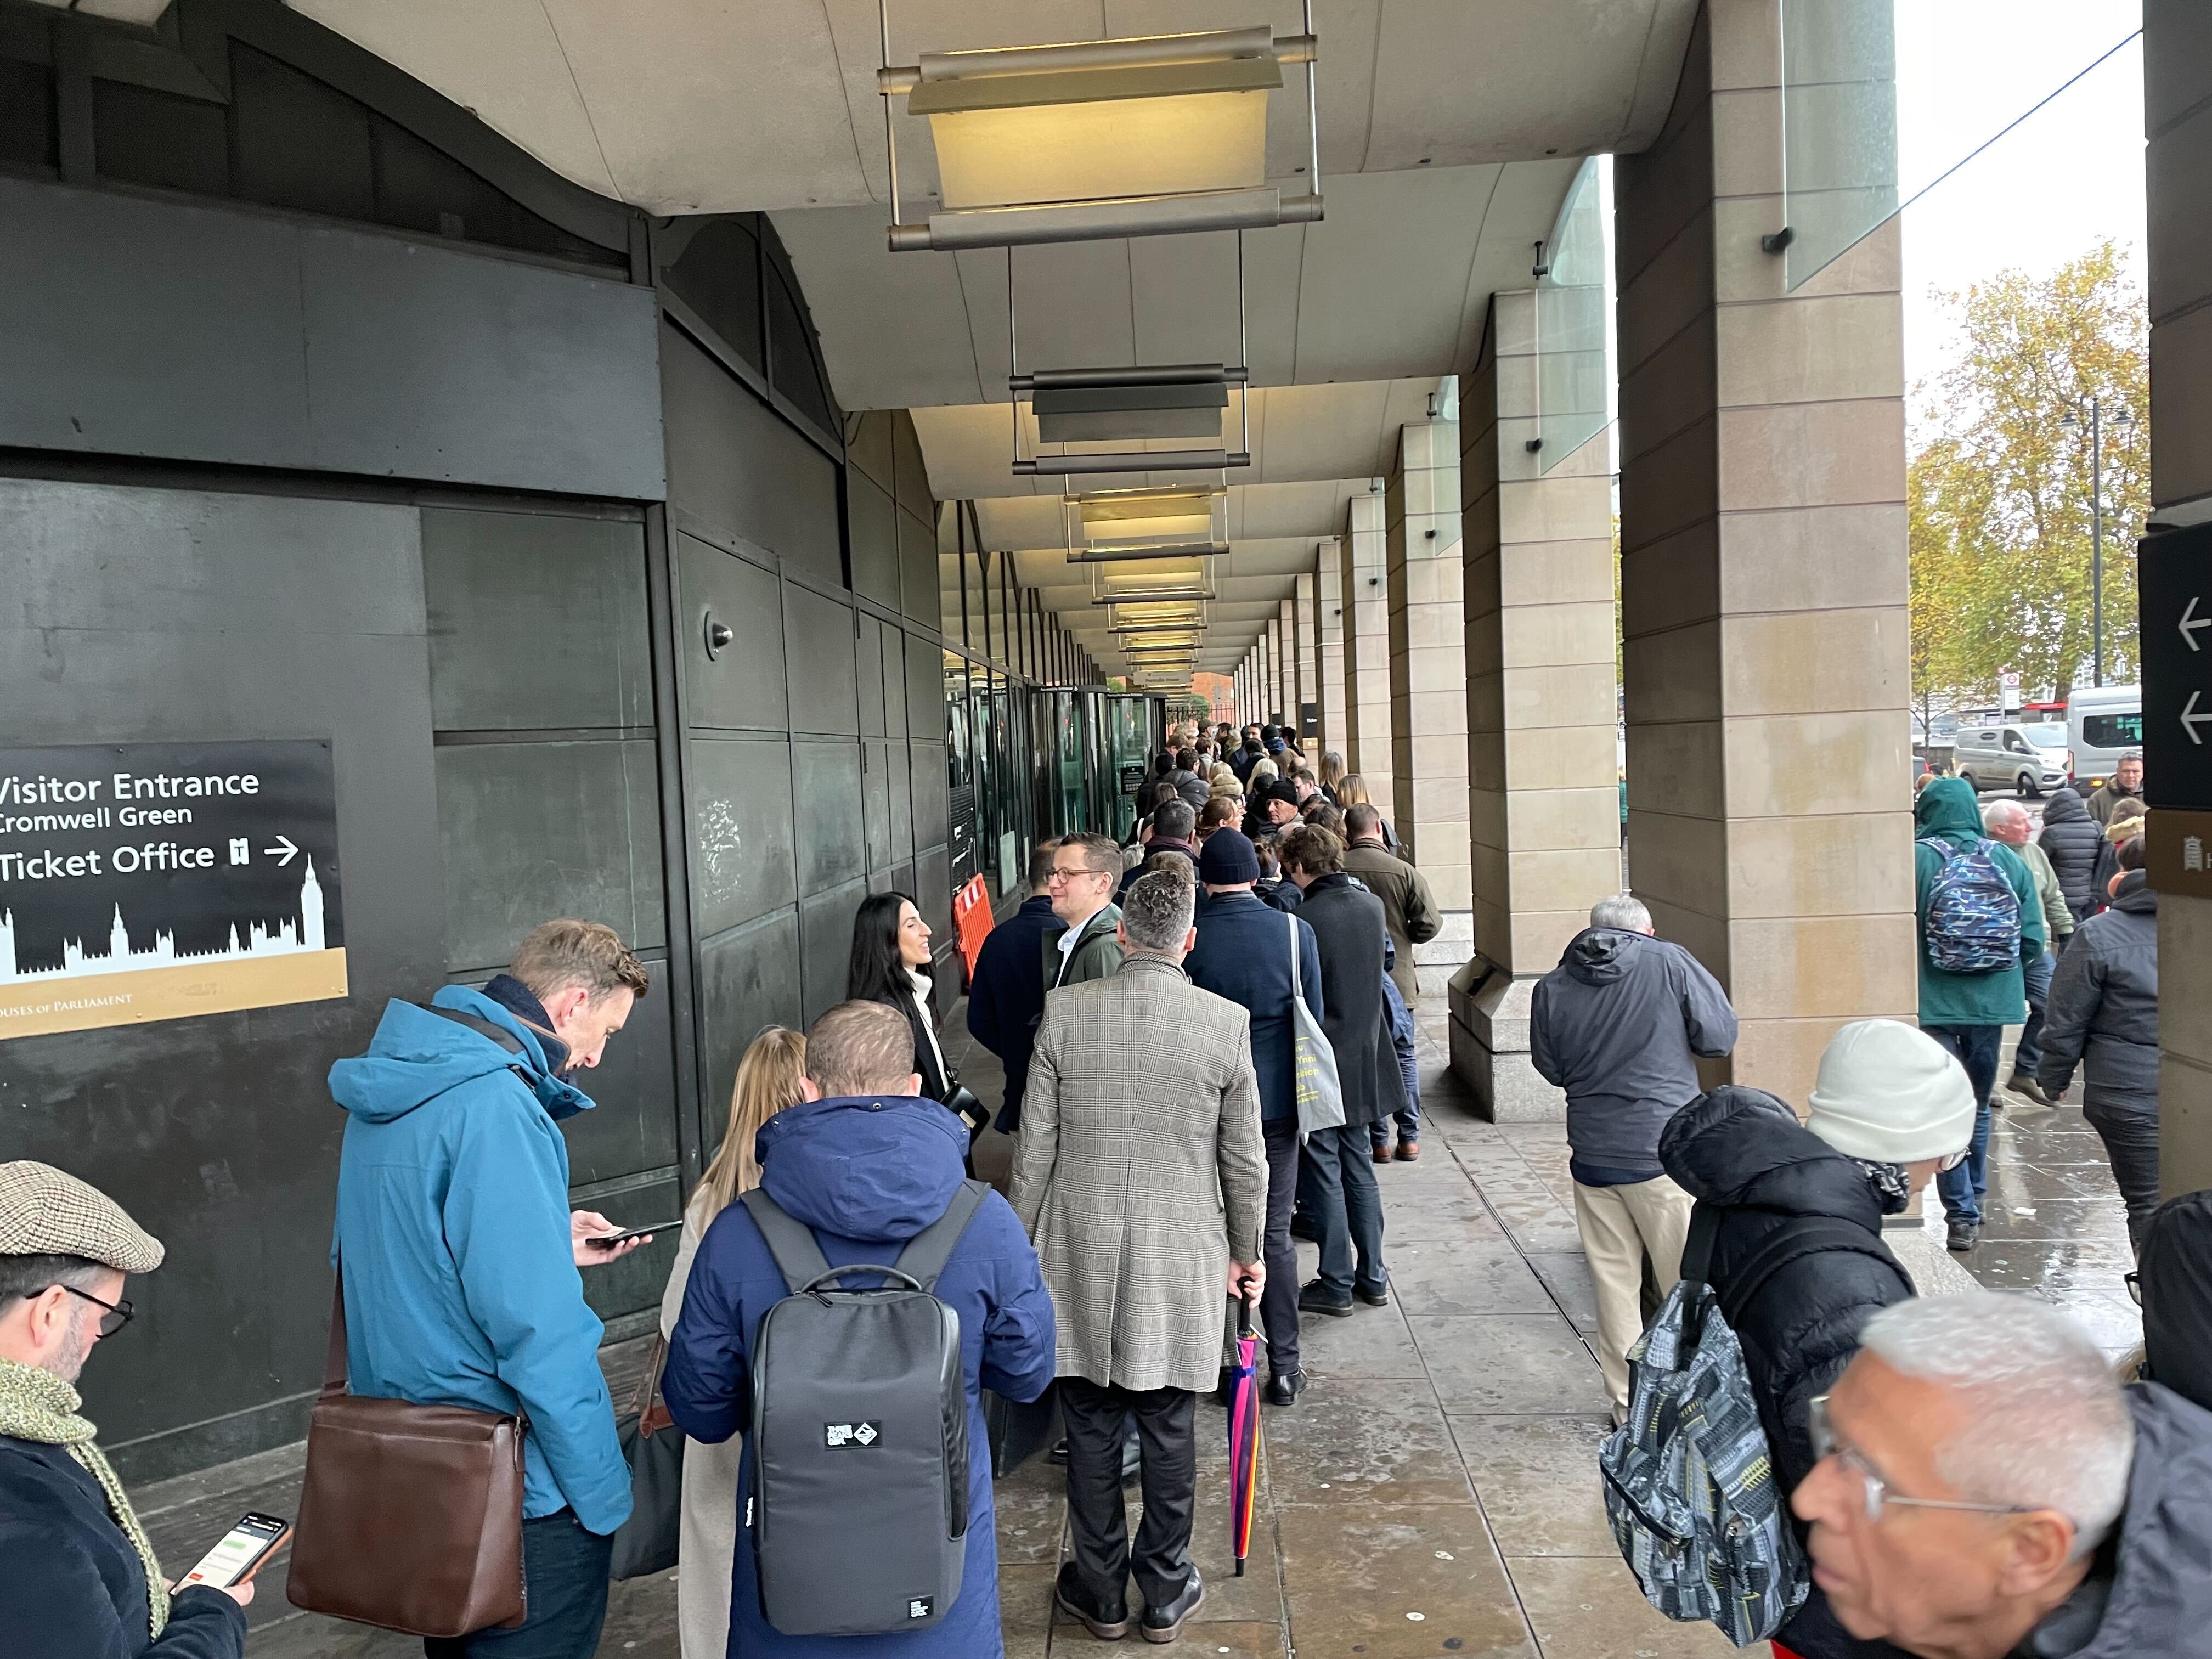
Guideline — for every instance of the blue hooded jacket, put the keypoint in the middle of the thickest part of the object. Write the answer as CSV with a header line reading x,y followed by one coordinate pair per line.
x,y
461,1286
866,1174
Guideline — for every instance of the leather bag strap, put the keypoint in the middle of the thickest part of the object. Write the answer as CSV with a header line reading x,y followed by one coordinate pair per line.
x,y
334,1358
928,1250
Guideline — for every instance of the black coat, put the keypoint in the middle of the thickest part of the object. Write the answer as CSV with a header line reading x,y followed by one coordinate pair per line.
x,y
71,1586
1006,998
1348,926
2070,839
2102,1008
1753,1168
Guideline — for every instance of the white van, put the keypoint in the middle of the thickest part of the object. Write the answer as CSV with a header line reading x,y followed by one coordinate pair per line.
x,y
2027,756
2102,724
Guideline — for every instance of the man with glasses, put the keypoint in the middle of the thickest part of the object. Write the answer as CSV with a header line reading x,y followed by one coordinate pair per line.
x,y
1087,868
78,1576
1986,1488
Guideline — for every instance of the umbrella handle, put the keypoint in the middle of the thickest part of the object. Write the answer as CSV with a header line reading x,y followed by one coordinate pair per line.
x,y
1244,1316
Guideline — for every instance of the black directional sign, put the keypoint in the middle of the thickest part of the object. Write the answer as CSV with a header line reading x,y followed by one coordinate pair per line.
x,y
2174,580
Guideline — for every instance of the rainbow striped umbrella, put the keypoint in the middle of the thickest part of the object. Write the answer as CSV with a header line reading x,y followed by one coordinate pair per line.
x,y
1244,1435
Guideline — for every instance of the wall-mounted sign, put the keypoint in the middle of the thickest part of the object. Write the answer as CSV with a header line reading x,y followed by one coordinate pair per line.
x,y
2174,576
160,880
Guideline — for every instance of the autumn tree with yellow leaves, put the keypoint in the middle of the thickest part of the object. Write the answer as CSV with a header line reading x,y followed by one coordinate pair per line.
x,y
1999,492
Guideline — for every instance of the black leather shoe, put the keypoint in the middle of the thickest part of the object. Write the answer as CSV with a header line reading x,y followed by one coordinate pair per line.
x,y
1106,1624
1165,1623
1963,1236
1377,1297
1315,1298
1284,1386
2021,1083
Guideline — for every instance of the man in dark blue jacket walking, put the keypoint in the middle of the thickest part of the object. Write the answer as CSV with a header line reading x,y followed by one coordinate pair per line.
x,y
1243,953
1006,998
867,1163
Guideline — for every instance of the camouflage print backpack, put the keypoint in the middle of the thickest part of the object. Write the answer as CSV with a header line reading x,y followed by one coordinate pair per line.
x,y
1689,1483
1973,915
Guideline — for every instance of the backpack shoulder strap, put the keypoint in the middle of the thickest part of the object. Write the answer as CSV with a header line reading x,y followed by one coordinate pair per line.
x,y
1805,1236
1297,994
928,1250
484,1028
1697,1248
1942,849
790,1241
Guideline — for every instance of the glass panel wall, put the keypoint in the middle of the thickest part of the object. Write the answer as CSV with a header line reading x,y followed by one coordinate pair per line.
x,y
1839,127
1572,372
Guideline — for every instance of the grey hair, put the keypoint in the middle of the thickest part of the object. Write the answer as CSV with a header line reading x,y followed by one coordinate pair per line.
x,y
1174,819
2048,1426
1621,910
2002,811
1156,911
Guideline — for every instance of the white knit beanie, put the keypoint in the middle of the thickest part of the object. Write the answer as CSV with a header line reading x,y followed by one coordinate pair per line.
x,y
1890,1092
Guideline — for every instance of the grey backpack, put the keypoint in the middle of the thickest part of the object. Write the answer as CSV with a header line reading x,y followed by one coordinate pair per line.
x,y
1690,1484
858,1503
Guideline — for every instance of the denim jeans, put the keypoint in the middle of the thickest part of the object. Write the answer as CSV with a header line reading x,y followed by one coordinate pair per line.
x,y
1976,1046
566,1570
1408,1122
1347,1208
2037,975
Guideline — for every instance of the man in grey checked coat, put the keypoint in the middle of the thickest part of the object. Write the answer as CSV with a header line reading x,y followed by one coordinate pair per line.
x,y
1143,1180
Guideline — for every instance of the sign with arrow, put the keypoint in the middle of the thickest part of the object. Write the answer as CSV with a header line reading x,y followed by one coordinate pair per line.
x,y
153,881
2174,576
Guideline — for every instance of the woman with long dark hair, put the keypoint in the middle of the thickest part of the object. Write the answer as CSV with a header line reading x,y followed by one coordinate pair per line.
x,y
890,964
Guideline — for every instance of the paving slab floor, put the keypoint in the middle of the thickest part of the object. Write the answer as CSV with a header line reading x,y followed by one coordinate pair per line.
x,y
1435,1491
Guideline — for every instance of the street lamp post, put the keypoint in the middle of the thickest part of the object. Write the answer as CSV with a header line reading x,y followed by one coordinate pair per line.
x,y
2123,418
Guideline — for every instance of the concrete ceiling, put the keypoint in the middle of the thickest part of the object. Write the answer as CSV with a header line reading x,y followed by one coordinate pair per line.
x,y
1449,132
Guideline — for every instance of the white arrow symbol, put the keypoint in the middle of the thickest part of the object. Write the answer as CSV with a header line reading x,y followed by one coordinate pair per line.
x,y
285,854
2188,628
2190,719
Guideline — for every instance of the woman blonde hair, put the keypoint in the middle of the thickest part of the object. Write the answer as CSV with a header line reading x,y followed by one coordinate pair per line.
x,y
1263,771
1332,769
767,1081
1352,791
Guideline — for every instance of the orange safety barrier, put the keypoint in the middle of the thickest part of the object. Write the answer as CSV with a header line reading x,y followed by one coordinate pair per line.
x,y
972,920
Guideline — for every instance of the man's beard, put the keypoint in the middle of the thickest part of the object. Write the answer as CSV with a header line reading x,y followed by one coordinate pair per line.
x,y
67,1361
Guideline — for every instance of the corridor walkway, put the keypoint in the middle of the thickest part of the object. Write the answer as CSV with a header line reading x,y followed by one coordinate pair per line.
x,y
1434,1491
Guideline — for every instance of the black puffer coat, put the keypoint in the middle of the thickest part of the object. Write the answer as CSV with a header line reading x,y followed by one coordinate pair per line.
x,y
1754,1170
2102,1008
2070,839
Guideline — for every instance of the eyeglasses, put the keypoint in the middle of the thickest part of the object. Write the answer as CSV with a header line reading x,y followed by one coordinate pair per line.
x,y
1878,1494
1060,875
2134,1282
117,1313
1946,1165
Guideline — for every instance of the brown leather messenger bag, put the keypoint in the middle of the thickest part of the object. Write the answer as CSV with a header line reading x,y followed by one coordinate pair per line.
x,y
410,1517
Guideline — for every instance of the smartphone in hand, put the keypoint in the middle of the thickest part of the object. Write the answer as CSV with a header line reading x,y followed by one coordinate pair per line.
x,y
608,1241
240,1554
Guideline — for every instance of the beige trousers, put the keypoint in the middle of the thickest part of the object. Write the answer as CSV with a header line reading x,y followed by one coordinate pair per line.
x,y
1621,1226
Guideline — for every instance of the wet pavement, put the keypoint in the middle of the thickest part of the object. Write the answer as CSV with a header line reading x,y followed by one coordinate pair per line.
x,y
1434,1491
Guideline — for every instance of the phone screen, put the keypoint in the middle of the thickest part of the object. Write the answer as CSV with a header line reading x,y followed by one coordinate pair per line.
x,y
241,1549
608,1241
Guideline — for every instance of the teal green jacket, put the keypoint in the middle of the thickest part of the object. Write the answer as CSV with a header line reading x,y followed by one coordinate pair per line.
x,y
1948,811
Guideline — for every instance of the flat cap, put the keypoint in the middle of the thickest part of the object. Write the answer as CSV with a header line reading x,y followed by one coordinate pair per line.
x,y
48,1211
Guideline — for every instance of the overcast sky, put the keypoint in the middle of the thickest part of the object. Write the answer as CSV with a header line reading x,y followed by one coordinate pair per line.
x,y
2070,175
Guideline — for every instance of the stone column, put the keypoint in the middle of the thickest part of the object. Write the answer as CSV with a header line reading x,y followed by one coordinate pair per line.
x,y
2177,120
1286,633
1308,670
1428,677
1367,648
1543,796
1763,582
1328,643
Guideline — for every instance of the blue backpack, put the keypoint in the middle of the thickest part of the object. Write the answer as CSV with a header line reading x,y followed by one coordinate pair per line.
x,y
1972,925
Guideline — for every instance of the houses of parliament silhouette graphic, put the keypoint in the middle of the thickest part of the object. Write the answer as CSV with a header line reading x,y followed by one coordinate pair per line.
x,y
289,939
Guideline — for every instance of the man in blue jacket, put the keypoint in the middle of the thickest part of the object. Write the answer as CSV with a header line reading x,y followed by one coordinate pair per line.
x,y
1243,953
1006,998
459,1253
867,1163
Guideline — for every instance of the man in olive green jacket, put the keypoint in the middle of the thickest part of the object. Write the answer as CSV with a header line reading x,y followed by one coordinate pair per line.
x,y
1409,909
1085,870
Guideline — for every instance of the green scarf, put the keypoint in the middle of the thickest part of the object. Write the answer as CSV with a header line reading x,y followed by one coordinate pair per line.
x,y
38,1405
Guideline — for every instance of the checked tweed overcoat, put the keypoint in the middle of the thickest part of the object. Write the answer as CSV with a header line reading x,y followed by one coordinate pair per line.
x,y
1141,1170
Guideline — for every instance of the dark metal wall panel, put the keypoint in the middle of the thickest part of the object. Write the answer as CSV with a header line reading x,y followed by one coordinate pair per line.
x,y
894,673
565,648
912,476
139,615
869,653
873,527
742,864
428,362
929,803
924,692
736,464
825,946
825,784
161,328
875,793
933,881
868,445
819,658
532,830
899,769
923,601
747,980
741,686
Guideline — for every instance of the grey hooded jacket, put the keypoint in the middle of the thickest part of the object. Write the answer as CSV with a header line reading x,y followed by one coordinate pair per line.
x,y
2150,1590
2103,1008
1619,1026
